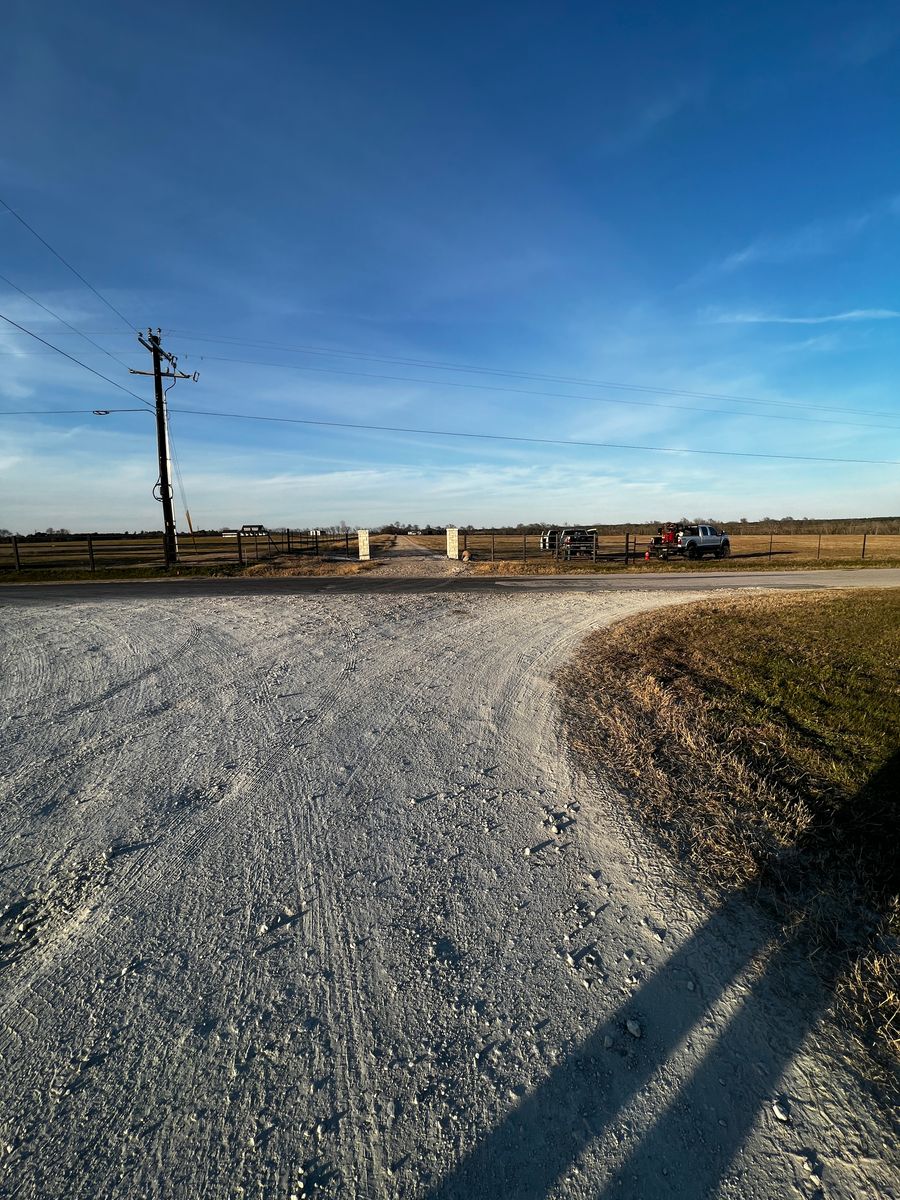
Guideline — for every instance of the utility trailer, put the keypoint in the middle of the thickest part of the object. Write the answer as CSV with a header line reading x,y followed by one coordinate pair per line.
x,y
676,540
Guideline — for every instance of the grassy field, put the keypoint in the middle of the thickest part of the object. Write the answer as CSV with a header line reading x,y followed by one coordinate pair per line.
x,y
758,739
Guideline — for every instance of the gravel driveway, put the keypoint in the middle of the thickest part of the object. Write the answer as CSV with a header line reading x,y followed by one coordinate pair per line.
x,y
301,897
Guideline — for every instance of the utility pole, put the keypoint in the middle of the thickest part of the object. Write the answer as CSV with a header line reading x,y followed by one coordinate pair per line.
x,y
153,344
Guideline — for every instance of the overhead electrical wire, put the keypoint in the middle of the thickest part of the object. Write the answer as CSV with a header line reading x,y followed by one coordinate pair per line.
x,y
67,264
492,387
63,321
493,437
75,360
52,412
507,437
470,368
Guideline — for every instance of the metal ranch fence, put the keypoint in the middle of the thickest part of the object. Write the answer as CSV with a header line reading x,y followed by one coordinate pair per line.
x,y
251,545
630,547
94,552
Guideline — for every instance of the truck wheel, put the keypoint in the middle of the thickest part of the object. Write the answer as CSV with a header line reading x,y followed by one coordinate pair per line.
x,y
691,551
723,551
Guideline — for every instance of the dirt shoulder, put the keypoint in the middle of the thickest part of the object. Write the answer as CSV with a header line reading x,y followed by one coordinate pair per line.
x,y
756,737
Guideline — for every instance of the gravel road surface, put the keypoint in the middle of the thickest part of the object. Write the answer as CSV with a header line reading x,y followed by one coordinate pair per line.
x,y
301,897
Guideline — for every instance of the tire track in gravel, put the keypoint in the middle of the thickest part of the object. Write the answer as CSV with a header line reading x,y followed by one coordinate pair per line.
x,y
420,662
178,841
182,838
91,744
336,929
340,931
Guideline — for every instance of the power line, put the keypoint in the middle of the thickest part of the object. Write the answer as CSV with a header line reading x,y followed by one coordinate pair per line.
x,y
479,370
505,437
512,374
59,333
62,320
98,332
41,412
491,387
77,361
493,437
67,264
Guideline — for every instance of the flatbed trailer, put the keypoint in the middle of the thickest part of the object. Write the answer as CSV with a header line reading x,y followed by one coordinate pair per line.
x,y
688,541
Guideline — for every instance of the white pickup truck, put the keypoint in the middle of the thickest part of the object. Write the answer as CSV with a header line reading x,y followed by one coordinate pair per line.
x,y
688,541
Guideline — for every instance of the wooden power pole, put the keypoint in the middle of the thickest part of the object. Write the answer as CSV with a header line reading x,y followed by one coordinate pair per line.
x,y
152,343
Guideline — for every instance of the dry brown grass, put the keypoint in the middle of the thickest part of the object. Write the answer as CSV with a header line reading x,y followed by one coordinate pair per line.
x,y
756,737
581,566
288,566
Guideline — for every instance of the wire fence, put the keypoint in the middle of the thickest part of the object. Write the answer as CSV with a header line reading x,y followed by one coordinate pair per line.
x,y
630,547
95,552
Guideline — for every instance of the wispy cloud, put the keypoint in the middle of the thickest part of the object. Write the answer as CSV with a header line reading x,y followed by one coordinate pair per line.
x,y
812,240
644,122
808,241
820,343
853,314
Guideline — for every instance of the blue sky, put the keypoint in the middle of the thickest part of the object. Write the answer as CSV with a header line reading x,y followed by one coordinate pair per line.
x,y
693,198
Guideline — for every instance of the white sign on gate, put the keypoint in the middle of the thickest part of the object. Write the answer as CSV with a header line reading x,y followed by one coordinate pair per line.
x,y
452,541
363,535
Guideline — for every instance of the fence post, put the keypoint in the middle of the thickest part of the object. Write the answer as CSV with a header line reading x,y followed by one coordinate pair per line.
x,y
524,548
347,542
594,548
15,545
626,549
863,555
240,548
492,547
465,540
316,535
91,552
770,545
288,541
818,547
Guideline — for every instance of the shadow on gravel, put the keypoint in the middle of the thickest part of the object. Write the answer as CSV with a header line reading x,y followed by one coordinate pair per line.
x,y
687,1152
692,1144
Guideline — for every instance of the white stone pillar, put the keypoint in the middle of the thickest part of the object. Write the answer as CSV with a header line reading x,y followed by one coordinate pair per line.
x,y
452,541
363,535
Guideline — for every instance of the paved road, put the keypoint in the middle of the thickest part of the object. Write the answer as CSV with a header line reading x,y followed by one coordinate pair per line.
x,y
147,589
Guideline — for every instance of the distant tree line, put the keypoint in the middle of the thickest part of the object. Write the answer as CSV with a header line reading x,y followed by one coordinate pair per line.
x,y
777,525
